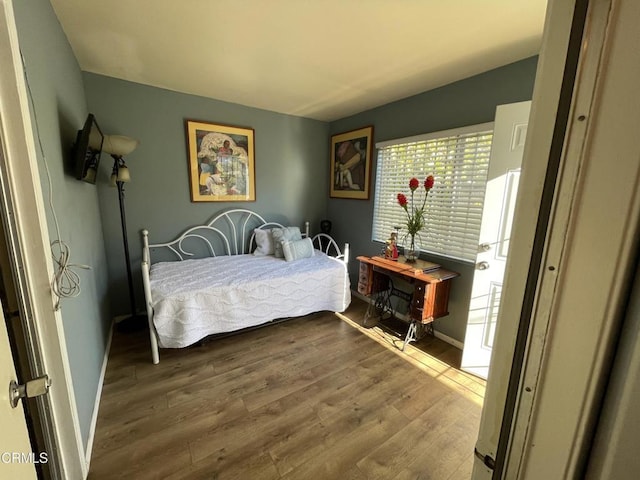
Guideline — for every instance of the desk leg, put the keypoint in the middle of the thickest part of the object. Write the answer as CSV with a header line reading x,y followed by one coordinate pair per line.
x,y
368,313
416,331
412,334
376,305
381,304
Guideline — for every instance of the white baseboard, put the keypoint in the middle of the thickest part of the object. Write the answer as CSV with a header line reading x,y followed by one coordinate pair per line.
x,y
96,407
445,338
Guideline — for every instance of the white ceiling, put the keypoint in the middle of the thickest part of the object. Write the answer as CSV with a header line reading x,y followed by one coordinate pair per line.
x,y
322,59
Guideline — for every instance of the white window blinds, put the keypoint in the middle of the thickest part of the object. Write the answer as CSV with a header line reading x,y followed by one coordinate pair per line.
x,y
459,160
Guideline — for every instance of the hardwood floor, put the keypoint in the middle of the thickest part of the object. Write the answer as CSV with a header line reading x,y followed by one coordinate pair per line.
x,y
310,398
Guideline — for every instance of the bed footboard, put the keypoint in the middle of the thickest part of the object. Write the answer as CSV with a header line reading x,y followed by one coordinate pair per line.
x,y
146,266
328,245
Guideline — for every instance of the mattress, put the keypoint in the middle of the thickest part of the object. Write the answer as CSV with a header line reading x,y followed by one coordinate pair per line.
x,y
196,298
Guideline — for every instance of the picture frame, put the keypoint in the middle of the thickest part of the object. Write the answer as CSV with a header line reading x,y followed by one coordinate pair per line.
x,y
221,162
350,175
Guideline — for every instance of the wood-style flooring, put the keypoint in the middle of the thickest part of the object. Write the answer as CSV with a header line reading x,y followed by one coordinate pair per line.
x,y
313,398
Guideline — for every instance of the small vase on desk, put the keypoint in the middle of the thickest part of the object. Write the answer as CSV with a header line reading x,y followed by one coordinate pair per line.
x,y
412,252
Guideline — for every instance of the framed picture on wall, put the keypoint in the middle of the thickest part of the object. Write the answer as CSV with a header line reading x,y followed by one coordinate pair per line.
x,y
351,163
221,162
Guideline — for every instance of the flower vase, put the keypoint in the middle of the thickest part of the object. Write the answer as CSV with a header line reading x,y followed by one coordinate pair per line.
x,y
412,252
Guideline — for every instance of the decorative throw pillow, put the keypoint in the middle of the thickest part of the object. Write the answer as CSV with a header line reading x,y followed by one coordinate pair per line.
x,y
264,242
287,234
297,249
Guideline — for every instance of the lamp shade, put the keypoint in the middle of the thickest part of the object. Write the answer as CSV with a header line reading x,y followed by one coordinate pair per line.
x,y
90,176
119,145
123,174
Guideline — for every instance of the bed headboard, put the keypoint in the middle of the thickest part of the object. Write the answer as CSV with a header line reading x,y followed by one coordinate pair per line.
x,y
228,233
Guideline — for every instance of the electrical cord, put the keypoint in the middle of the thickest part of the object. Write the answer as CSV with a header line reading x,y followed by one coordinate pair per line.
x,y
65,282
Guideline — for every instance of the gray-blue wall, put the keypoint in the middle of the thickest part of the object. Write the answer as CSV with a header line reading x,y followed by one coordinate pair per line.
x,y
467,102
290,163
58,111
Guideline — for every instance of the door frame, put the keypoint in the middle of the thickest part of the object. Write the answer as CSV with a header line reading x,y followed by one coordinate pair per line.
x,y
523,256
589,255
23,215
582,124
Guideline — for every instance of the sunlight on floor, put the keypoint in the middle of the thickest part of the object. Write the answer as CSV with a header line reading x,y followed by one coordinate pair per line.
x,y
468,385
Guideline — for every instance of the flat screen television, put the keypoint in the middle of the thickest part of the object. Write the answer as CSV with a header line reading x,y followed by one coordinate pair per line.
x,y
87,149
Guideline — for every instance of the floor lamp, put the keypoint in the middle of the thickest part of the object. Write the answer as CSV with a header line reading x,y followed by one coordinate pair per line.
x,y
118,146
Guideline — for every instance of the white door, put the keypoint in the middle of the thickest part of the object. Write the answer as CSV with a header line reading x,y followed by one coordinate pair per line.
x,y
15,449
509,134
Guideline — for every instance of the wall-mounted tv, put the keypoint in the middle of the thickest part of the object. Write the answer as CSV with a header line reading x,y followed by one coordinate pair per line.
x,y
87,149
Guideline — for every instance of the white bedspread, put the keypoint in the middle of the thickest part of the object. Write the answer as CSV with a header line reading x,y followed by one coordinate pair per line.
x,y
196,298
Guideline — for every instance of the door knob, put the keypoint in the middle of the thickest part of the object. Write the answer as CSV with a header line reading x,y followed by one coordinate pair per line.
x,y
482,265
484,247
33,388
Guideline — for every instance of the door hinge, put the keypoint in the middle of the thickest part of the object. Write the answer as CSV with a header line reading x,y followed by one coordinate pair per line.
x,y
488,460
33,388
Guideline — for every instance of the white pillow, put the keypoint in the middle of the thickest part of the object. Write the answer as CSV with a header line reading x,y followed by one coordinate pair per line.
x,y
283,235
297,249
264,242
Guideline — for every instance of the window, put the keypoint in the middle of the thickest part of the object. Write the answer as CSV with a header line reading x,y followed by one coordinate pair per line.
x,y
459,161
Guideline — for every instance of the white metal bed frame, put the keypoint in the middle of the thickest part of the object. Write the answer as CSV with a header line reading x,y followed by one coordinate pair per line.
x,y
238,238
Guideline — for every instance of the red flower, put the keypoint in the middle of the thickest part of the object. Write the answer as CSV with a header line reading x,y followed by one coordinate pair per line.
x,y
416,214
428,182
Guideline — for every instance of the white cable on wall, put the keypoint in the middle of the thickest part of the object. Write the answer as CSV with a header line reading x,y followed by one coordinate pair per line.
x,y
65,282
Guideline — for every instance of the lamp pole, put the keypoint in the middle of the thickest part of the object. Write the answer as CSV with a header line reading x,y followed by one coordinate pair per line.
x,y
118,146
134,322
123,221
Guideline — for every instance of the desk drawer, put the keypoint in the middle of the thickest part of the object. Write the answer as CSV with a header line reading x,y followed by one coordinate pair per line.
x,y
417,303
371,281
430,301
364,267
364,279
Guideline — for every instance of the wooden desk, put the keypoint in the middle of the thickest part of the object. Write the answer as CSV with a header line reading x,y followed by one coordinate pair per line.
x,y
431,286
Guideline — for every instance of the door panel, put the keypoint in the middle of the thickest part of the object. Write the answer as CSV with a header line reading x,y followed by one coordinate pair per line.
x,y
16,459
510,131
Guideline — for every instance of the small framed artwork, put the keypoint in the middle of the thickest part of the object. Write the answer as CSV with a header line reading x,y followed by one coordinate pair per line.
x,y
351,163
221,162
